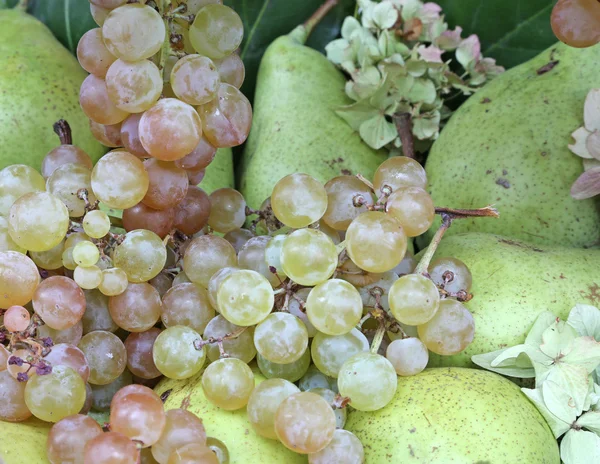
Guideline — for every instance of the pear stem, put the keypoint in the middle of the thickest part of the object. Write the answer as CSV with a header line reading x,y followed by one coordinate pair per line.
x,y
63,130
318,15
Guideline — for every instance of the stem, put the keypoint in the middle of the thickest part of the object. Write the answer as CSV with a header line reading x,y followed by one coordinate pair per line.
x,y
318,15
403,123
164,6
23,5
378,338
365,181
488,211
63,130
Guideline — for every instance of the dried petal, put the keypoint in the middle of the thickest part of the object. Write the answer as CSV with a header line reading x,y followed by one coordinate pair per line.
x,y
468,51
587,185
579,147
385,15
591,110
449,40
431,54
592,144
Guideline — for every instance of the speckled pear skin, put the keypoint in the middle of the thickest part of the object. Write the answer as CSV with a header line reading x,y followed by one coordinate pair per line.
x,y
39,84
219,173
513,282
295,128
455,416
24,442
507,146
231,427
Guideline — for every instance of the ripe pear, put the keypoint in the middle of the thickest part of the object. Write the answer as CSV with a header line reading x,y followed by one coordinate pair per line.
x,y
295,128
455,415
507,146
24,442
231,427
39,85
219,173
513,282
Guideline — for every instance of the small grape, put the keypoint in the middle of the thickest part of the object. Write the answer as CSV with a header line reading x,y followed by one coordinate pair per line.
x,y
457,275
96,223
137,309
241,347
142,255
66,182
193,453
231,70
329,352
245,298
227,210
130,136
86,254
344,447
450,331
64,354
68,437
96,104
168,184
71,335
308,257
334,307
398,172
15,181
102,395
315,379
273,255
378,291
413,208
182,428
263,403
134,86
253,256
12,406
111,448
333,234
281,338
140,216
187,304
106,356
114,281
414,299
347,197
108,135
59,302
97,316
99,14
216,31
20,279
195,79
174,353
191,215
16,319
206,255
139,353
93,55
409,356
6,241
298,200
238,238
297,307
219,448
199,158
215,283
228,383
162,282
290,372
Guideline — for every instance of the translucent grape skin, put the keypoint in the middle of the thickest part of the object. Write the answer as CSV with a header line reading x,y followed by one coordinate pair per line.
x,y
130,136
16,319
334,307
108,135
450,331
399,171
457,275
64,154
137,309
205,255
64,354
59,302
409,356
199,158
68,437
102,395
106,356
241,347
413,208
298,200
344,447
168,184
114,281
65,183
71,335
12,393
110,448
139,353
182,428
192,453
308,257
328,395
253,256
92,54
281,338
238,238
187,304
219,448
291,372
195,79
20,279
96,223
133,86
414,299
216,31
191,215
141,254
231,70
140,216
96,104
344,194
575,22
174,353
227,210
228,383
96,315
263,404
329,352
245,298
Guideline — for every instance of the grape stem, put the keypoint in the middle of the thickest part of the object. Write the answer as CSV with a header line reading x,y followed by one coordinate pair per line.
x,y
198,344
318,15
403,122
378,338
63,130
163,8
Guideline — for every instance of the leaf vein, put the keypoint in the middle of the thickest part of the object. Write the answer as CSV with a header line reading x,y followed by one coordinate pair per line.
x,y
254,28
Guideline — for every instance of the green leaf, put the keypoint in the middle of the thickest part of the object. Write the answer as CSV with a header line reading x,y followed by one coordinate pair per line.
x,y
357,113
590,420
543,321
557,425
580,447
513,367
377,131
585,319
512,31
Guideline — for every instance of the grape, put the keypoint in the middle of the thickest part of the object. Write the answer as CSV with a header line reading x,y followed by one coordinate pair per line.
x,y
329,352
263,403
227,119
216,31
193,453
314,379
241,347
181,428
133,32
63,154
12,399
142,255
344,447
15,181
193,6
334,307
333,234
238,238
38,221
4,355
344,193
141,216
174,353
407,265
199,158
110,448
329,395
291,371
71,335
97,316
19,280
146,456
450,331
168,184
114,281
56,395
126,189
93,55
245,298
105,354
108,135
68,437
16,319
59,302
575,22
253,256
191,215
273,255
74,238
458,277
378,290
170,129
308,257
99,14
375,241
195,177
96,224
137,309
298,200
228,383
409,356
181,278
131,137
139,353
205,255
227,210
231,70
413,208
215,282
281,338
297,308
414,299
89,397
64,354
108,4
65,183
86,253
195,79
188,305
398,172
133,86
219,448
6,241
162,282
96,104
304,422
102,395
138,413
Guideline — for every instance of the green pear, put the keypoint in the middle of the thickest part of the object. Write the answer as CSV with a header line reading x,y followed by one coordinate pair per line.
x,y
295,128
455,415
507,147
24,442
219,173
513,282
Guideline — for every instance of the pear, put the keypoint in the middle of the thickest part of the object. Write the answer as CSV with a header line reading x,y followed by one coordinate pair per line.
x,y
295,128
455,415
219,173
507,147
513,282
24,442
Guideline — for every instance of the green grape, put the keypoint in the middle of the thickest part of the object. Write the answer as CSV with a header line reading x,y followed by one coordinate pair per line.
x,y
188,305
49,260
96,223
252,256
414,299
15,181
191,453
308,257
281,338
6,241
329,352
114,281
205,255
67,259
334,307
216,31
333,234
215,282
296,306
12,406
56,395
409,356
398,172
369,380
219,448
298,200
195,79
378,291
375,241
291,372
245,298
181,278
38,221
450,331
142,255
407,265
227,210
413,208
328,395
105,354
174,353
228,383
344,447
344,193
263,404
87,278
238,238
65,183
451,274
182,428
241,347
86,254
273,255
314,378
19,281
